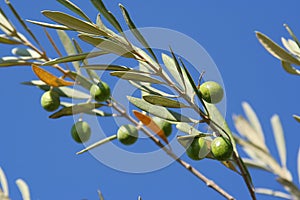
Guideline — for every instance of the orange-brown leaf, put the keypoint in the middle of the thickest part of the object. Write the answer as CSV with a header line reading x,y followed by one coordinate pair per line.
x,y
49,78
147,121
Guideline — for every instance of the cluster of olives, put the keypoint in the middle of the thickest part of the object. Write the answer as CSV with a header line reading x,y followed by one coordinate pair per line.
x,y
211,92
220,148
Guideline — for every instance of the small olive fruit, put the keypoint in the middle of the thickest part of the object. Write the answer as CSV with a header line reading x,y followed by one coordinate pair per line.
x,y
127,134
212,92
100,92
198,149
163,125
50,101
81,131
221,148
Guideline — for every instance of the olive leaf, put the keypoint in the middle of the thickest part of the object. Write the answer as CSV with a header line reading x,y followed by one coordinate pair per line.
x,y
276,50
254,121
148,122
106,67
145,87
6,26
24,189
68,46
9,61
163,101
171,66
297,118
25,52
291,187
291,46
72,58
256,164
21,21
62,91
3,183
186,128
100,195
298,165
107,14
81,80
107,45
289,68
159,111
292,34
96,112
274,193
48,25
75,109
97,144
6,40
71,6
135,76
49,78
179,70
73,23
248,131
136,32
279,138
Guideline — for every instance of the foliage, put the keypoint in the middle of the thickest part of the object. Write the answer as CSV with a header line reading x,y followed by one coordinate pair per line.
x,y
153,101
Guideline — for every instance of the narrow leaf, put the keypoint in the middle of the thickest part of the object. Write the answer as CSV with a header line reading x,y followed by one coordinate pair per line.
x,y
6,26
186,128
68,46
297,118
25,52
135,76
93,112
276,50
145,87
107,45
292,34
136,32
255,164
100,195
76,109
179,70
107,14
289,68
147,121
273,193
291,46
74,8
97,144
279,138
62,91
290,186
3,183
73,23
81,80
72,58
159,111
48,25
21,21
298,165
106,67
171,66
23,187
254,121
49,78
5,40
246,130
163,101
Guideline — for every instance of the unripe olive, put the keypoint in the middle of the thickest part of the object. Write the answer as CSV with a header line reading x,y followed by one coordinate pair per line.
x,y
100,92
163,125
211,92
127,134
198,149
221,148
81,131
50,101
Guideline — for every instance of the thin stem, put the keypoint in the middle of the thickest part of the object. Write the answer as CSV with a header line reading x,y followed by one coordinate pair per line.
x,y
186,165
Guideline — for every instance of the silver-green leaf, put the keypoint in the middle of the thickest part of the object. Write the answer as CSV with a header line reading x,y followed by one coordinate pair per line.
x,y
163,101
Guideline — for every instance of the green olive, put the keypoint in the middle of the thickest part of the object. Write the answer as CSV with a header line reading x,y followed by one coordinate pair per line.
x,y
127,134
100,92
221,148
163,125
198,149
211,92
50,101
81,131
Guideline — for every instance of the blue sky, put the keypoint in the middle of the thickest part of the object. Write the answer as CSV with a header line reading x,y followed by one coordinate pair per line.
x,y
41,151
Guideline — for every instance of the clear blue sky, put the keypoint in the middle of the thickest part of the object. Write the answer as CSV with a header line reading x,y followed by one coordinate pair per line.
x,y
40,150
